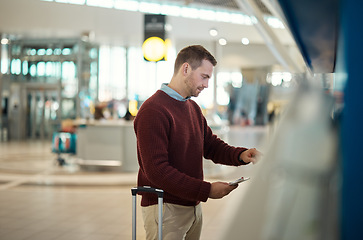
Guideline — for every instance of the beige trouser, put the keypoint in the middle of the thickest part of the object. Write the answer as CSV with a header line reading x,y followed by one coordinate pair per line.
x,y
179,222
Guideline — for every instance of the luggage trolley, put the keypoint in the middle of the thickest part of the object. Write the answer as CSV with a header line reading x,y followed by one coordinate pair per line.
x,y
63,142
147,189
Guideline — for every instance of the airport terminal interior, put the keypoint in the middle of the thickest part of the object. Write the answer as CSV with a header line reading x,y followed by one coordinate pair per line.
x,y
74,73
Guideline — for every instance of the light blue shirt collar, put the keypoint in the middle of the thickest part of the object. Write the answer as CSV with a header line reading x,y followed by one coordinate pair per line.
x,y
172,93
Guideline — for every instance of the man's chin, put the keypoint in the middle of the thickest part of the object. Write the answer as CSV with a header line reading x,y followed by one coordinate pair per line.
x,y
196,94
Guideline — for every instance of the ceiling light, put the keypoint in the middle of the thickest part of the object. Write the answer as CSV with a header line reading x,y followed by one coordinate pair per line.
x,y
245,41
4,41
222,41
168,27
213,32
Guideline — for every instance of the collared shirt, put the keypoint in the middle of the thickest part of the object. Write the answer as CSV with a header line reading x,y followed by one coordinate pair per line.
x,y
172,93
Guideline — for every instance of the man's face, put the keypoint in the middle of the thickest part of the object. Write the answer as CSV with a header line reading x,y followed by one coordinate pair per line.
x,y
198,79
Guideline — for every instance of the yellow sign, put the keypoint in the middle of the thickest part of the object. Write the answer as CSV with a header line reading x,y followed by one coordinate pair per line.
x,y
154,49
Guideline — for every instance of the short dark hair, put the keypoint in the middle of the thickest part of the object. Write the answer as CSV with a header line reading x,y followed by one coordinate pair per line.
x,y
194,55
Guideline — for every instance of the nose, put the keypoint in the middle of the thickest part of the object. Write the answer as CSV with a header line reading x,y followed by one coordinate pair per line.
x,y
205,83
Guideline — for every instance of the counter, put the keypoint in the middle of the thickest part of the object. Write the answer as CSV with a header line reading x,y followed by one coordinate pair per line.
x,y
107,143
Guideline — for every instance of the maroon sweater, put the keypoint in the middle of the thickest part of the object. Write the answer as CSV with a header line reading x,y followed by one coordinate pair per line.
x,y
172,138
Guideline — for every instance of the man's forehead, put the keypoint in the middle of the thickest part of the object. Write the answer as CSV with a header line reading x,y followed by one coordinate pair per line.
x,y
206,66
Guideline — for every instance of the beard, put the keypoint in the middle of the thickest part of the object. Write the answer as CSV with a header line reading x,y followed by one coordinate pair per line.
x,y
193,91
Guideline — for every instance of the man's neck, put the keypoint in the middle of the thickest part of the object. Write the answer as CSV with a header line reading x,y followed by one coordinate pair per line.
x,y
176,87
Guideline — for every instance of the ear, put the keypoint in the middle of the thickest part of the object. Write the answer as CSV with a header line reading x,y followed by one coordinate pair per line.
x,y
185,68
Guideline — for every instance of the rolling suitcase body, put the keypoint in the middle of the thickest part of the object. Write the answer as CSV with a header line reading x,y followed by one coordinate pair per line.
x,y
160,194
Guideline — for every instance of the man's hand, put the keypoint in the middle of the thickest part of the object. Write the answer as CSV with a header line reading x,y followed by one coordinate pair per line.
x,y
250,156
220,189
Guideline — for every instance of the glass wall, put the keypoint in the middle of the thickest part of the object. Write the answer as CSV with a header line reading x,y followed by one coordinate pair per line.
x,y
124,74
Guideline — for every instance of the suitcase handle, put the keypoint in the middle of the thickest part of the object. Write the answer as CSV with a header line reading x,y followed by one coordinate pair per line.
x,y
147,189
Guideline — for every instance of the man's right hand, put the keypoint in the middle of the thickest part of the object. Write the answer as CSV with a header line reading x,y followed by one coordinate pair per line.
x,y
220,189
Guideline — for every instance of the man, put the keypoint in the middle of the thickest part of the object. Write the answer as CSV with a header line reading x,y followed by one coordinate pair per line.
x,y
172,139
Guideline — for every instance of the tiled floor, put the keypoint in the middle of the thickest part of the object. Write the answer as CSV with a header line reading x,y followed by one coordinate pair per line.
x,y
39,200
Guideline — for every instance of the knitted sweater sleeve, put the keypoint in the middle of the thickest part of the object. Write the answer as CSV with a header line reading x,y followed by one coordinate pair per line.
x,y
152,130
219,151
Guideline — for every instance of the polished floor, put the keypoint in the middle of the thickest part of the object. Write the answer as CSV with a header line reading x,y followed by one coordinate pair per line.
x,y
41,200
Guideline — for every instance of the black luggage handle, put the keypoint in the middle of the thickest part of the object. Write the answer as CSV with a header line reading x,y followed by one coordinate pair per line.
x,y
160,194
147,189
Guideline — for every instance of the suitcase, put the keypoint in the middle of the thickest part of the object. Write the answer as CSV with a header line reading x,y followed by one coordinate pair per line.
x,y
64,142
147,189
